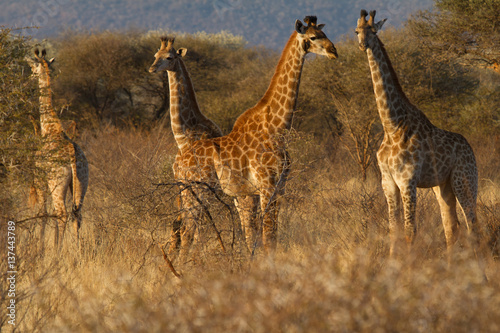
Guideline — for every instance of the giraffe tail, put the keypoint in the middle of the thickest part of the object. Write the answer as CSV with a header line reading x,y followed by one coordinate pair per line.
x,y
33,198
77,214
79,184
78,194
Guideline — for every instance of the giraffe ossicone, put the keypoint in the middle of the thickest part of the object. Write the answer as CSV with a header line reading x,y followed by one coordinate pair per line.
x,y
415,153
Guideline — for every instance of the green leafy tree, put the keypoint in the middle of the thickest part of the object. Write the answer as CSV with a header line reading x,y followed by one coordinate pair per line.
x,y
469,29
463,37
105,78
18,105
97,74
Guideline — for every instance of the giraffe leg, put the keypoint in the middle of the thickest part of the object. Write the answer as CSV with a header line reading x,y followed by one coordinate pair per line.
x,y
187,233
269,207
40,189
45,218
393,198
409,198
269,204
175,235
464,181
62,218
448,204
188,228
464,187
247,210
58,187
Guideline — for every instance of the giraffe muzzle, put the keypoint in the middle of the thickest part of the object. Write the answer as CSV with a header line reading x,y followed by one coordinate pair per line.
x,y
153,69
332,53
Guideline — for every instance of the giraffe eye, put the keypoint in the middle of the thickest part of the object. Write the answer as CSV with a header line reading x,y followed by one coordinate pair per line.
x,y
313,38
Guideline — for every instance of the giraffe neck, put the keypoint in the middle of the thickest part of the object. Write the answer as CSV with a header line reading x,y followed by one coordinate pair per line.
x,y
49,121
184,109
393,106
274,111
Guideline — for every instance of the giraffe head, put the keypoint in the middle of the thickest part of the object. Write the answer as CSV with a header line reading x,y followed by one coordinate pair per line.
x,y
39,65
166,56
313,39
367,30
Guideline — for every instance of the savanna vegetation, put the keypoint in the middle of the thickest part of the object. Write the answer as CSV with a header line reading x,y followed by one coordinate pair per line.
x,y
331,271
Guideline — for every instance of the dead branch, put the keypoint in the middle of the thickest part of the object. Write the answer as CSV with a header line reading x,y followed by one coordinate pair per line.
x,y
168,261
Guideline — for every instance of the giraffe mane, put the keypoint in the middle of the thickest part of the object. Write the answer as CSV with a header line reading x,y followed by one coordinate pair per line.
x,y
189,86
397,84
272,85
281,63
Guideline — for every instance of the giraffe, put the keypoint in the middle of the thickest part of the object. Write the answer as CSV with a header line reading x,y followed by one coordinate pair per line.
x,y
415,153
251,163
63,162
187,122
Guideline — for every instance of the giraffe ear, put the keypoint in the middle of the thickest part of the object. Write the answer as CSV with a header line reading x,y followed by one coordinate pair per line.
x,y
182,51
320,26
51,61
300,28
377,26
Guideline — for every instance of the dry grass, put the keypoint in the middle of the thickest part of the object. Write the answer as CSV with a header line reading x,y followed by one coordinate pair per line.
x,y
331,271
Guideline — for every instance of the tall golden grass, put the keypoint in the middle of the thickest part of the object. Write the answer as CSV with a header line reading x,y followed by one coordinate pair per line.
x,y
331,272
